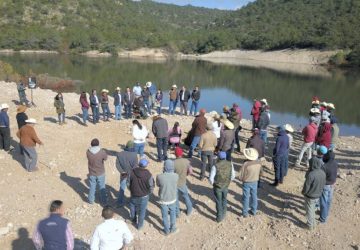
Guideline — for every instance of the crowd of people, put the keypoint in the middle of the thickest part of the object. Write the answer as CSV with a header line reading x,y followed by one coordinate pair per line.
x,y
215,140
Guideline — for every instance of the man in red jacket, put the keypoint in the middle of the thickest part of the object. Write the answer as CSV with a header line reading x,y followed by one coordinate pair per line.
x,y
324,134
309,133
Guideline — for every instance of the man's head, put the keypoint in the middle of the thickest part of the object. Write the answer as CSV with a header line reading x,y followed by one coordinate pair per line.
x,y
169,166
95,142
143,163
255,131
202,111
197,88
57,207
127,89
183,88
129,145
222,155
321,151
107,213
4,107
93,91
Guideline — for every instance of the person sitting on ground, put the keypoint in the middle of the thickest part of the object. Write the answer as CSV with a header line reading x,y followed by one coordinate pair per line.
x,y
174,135
249,175
207,146
141,185
126,161
198,127
55,231
315,180
330,167
60,108
309,133
110,234
139,133
167,183
96,158
183,168
160,131
28,140
222,173
280,154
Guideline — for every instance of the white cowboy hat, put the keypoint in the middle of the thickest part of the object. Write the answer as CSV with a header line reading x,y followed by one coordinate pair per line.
x,y
104,91
117,88
323,104
251,154
331,106
289,128
228,123
212,113
264,101
31,120
148,84
4,106
315,110
174,86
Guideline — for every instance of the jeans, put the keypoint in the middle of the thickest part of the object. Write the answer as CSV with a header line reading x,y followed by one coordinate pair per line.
x,y
95,113
307,146
185,194
158,110
237,138
147,106
61,117
221,202
183,107
194,107
280,167
249,195
206,155
85,114
5,139
228,154
325,202
118,112
106,111
139,148
162,146
193,145
121,197
172,107
310,211
263,135
165,209
100,181
30,156
128,113
138,206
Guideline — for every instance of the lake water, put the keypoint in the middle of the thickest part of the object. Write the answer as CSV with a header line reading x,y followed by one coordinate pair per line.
x,y
288,94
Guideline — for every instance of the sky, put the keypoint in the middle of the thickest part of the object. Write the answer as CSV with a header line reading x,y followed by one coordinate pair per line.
x,y
219,4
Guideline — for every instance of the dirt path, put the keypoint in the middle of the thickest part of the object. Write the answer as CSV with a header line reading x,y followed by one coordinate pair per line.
x,y
24,197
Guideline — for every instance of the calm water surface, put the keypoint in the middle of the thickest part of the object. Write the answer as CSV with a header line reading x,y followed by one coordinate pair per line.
x,y
288,94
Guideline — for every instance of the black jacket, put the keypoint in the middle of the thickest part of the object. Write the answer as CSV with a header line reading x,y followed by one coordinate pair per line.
x,y
186,95
330,168
256,142
315,179
264,121
21,118
195,95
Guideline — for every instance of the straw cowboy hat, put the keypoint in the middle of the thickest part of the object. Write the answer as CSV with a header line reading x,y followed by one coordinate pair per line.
x,y
4,106
104,91
148,84
323,104
118,88
289,128
264,101
31,120
331,106
21,109
212,113
174,86
251,154
228,123
315,111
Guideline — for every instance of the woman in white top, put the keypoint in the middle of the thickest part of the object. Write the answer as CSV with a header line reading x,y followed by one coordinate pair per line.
x,y
139,133
217,127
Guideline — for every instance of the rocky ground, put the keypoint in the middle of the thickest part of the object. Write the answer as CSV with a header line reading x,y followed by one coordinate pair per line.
x,y
24,197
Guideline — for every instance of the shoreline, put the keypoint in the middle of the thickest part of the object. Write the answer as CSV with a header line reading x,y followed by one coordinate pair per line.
x,y
302,61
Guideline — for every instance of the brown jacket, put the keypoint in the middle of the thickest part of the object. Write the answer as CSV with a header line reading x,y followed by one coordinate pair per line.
x,y
27,136
208,141
199,125
251,171
96,161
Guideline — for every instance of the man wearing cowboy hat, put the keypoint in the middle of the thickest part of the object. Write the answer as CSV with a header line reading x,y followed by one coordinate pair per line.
x,y
104,100
28,140
4,128
249,174
220,177
227,138
117,103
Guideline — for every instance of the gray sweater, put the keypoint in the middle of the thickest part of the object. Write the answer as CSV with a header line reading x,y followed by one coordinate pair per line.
x,y
160,128
167,183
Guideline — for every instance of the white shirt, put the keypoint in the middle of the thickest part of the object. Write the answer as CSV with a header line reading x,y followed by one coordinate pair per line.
x,y
213,173
139,134
96,99
111,235
216,129
137,90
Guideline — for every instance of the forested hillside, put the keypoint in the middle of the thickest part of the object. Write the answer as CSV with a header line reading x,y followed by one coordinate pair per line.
x,y
107,25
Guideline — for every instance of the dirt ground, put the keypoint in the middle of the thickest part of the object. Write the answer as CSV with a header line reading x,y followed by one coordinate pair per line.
x,y
24,197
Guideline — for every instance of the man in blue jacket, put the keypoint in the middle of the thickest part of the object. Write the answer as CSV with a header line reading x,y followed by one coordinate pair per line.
x,y
280,152
4,128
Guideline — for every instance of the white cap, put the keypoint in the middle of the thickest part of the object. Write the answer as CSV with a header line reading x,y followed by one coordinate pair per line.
x,y
174,86
4,106
148,84
31,120
264,101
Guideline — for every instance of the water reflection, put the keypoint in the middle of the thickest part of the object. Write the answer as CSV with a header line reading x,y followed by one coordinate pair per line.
x,y
289,94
